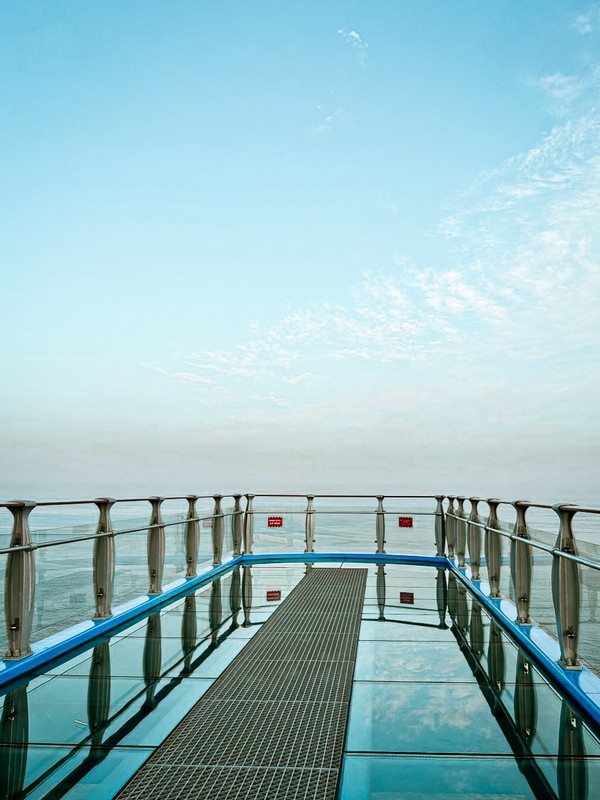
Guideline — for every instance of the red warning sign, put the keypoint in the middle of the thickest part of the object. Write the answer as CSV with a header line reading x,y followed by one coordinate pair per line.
x,y
407,598
273,594
275,522
405,522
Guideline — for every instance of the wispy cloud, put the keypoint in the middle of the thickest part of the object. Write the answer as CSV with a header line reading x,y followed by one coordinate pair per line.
x,y
355,40
561,90
588,21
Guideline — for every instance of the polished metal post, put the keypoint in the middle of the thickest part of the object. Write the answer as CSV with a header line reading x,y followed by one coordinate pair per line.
x,y
104,560
192,538
461,532
521,563
237,525
440,527
218,531
309,527
380,525
451,526
19,586
566,591
156,546
249,525
474,540
493,548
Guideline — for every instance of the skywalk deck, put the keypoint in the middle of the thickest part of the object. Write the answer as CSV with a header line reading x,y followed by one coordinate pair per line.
x,y
273,724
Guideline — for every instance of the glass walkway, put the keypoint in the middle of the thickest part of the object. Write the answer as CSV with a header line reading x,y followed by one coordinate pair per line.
x,y
448,696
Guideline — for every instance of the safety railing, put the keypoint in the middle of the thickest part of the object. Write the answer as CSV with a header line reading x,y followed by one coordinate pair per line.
x,y
546,569
540,567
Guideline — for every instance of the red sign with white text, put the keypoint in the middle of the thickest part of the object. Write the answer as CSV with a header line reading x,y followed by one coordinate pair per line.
x,y
273,594
275,522
405,522
407,598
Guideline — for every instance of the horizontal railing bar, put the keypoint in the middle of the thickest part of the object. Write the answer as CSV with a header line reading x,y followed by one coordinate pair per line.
x,y
46,503
102,534
357,496
320,512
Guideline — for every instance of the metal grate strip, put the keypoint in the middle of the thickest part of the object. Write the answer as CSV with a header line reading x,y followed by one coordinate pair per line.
x,y
273,724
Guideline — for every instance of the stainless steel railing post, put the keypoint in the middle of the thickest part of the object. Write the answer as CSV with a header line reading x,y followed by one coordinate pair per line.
x,y
474,540
521,563
380,525
192,538
566,589
461,532
249,525
156,546
440,527
237,525
309,526
493,547
218,531
104,560
19,586
451,526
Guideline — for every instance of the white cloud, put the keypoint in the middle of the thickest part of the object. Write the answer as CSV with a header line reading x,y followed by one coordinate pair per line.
x,y
589,21
562,90
355,40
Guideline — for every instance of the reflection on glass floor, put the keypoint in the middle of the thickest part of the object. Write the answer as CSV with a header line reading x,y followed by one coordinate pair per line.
x,y
444,705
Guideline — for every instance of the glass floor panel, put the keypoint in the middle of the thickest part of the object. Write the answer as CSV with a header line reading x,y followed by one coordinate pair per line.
x,y
444,704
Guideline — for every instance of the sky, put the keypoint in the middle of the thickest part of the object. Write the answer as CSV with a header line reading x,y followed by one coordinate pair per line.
x,y
252,246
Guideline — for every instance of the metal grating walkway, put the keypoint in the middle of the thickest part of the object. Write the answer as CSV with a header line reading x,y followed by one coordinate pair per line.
x,y
272,726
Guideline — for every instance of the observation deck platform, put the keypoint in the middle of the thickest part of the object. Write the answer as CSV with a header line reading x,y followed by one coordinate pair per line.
x,y
423,672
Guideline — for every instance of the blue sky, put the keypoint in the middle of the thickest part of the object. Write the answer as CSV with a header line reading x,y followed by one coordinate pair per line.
x,y
305,246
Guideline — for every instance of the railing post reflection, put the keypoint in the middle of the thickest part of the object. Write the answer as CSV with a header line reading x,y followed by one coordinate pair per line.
x,y
525,699
453,597
98,697
249,525
19,587
571,767
476,630
237,525
441,595
474,539
380,525
451,526
462,610
566,589
156,546
496,660
104,560
247,595
440,528
235,596
215,610
309,527
521,563
192,538
14,742
189,631
493,548
152,658
218,531
380,589
461,532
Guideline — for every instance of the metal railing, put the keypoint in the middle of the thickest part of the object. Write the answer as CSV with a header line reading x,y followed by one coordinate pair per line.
x,y
330,523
